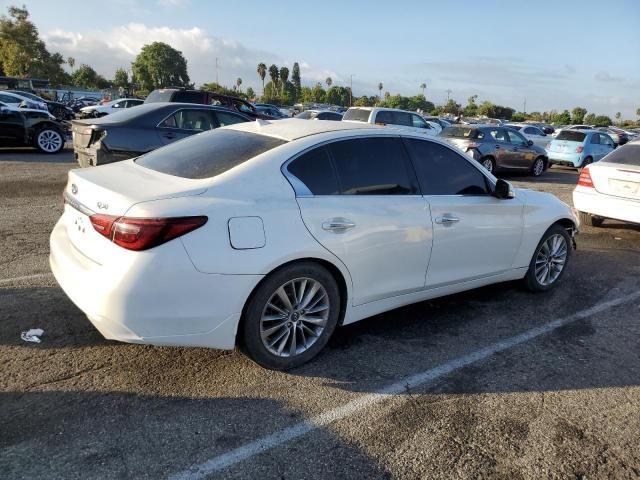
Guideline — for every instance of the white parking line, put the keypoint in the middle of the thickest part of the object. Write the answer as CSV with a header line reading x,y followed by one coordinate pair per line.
x,y
265,443
26,277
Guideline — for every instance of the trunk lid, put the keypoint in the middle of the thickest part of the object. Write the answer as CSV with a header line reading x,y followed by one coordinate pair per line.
x,y
617,180
112,190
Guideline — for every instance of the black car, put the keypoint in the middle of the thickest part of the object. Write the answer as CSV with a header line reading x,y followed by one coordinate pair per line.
x,y
57,109
30,128
132,132
498,148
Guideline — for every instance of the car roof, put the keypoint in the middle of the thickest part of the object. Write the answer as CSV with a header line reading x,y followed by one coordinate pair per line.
x,y
11,94
292,129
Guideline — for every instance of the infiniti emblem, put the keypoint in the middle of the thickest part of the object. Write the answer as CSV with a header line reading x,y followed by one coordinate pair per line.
x,y
74,188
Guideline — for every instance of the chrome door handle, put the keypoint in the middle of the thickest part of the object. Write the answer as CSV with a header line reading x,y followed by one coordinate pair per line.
x,y
338,225
447,219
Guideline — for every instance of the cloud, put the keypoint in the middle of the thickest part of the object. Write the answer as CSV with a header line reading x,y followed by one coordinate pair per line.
x,y
117,47
607,77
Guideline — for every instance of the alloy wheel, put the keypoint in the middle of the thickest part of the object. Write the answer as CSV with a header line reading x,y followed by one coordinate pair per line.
x,y
294,317
538,167
551,259
49,141
488,164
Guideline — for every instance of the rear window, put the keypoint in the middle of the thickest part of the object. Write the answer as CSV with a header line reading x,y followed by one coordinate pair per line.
x,y
462,132
626,155
159,96
571,136
208,154
357,114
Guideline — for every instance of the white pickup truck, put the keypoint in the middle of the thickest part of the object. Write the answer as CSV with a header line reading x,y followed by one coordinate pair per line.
x,y
392,117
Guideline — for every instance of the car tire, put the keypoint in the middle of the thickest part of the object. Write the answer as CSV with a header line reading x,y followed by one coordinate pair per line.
x,y
590,220
488,163
277,308
549,261
585,162
537,168
49,140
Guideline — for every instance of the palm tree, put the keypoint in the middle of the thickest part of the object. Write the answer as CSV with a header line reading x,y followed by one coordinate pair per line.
x,y
422,87
284,77
273,74
618,116
380,87
238,83
262,72
329,82
72,63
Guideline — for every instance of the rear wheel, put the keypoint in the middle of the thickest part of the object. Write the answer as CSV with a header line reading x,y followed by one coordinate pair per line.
x,y
549,260
585,162
488,163
291,316
591,220
538,167
49,140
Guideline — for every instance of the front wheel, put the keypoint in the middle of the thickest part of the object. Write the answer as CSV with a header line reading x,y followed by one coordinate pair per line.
x,y
49,140
291,316
488,164
538,167
549,260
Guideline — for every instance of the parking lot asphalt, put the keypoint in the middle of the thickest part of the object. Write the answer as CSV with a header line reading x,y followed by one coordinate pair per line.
x,y
491,383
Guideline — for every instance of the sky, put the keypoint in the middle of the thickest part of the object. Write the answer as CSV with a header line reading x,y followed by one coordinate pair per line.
x,y
554,54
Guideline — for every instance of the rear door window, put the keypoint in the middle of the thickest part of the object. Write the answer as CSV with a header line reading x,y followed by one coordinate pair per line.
x,y
228,118
571,136
499,135
442,171
373,166
595,139
185,119
394,118
209,154
314,169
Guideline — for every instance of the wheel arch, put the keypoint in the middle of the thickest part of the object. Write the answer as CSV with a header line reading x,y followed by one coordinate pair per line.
x,y
335,272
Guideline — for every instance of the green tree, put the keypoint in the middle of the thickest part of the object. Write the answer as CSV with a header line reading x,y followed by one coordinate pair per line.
x,y
563,118
87,77
329,82
638,112
589,119
380,87
452,107
238,83
577,115
618,116
262,72
471,110
296,80
519,117
71,62
274,74
284,78
602,121
250,93
160,65
121,78
23,53
423,87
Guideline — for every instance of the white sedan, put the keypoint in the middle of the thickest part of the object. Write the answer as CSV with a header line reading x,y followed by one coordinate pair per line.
x,y
111,107
268,235
610,188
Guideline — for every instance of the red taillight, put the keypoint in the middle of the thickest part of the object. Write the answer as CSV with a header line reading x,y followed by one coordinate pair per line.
x,y
585,178
143,233
579,149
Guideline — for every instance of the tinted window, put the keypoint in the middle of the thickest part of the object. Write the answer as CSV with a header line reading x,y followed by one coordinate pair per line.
x,y
516,138
418,122
372,166
209,154
595,139
315,171
199,120
462,132
329,116
226,118
394,118
10,99
189,97
571,136
441,171
628,154
531,131
159,96
357,114
605,140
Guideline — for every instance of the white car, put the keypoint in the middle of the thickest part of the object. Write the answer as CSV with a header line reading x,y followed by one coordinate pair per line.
x,y
531,132
16,100
319,115
393,117
110,107
290,229
610,188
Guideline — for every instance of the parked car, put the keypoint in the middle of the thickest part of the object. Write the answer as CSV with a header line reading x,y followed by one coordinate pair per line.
x,y
113,106
578,148
21,101
440,121
21,127
269,236
618,136
610,188
498,148
269,110
132,132
572,127
319,115
531,132
77,103
409,121
59,110
206,98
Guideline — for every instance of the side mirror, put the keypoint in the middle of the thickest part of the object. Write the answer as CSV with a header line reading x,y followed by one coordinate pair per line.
x,y
529,142
503,190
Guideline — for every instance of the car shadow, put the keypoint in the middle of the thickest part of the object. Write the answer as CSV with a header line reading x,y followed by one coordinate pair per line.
x,y
555,175
32,155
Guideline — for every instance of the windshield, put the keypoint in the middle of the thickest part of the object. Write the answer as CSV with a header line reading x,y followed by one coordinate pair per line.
x,y
306,115
357,114
571,136
628,154
28,95
208,154
159,96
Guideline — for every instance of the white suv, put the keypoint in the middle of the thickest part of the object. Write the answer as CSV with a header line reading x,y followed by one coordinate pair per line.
x,y
392,116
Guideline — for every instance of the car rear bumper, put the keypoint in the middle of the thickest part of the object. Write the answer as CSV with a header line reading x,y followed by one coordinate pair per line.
x,y
570,159
606,206
160,299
